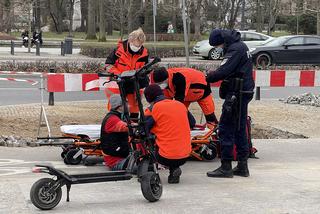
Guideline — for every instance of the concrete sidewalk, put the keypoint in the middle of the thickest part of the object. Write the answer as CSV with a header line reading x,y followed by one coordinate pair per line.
x,y
284,180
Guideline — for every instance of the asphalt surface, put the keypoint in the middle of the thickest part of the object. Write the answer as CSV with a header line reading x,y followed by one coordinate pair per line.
x,y
284,180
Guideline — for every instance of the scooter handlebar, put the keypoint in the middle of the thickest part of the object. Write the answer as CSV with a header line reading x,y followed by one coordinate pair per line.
x,y
106,74
145,70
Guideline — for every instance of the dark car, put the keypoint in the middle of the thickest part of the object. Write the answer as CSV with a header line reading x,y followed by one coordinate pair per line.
x,y
299,49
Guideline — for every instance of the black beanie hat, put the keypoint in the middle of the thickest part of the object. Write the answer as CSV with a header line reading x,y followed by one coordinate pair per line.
x,y
152,92
215,37
160,74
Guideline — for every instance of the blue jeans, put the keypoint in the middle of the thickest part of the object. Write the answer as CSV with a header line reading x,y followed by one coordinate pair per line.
x,y
121,165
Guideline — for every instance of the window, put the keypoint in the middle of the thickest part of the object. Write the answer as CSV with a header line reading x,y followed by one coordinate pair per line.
x,y
312,41
295,41
253,37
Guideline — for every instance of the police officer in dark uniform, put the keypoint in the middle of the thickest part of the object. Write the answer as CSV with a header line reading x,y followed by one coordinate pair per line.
x,y
237,91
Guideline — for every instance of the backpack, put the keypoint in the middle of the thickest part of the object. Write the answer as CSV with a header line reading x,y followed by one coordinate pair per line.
x,y
252,149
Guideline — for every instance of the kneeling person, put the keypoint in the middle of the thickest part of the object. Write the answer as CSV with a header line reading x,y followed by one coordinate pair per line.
x,y
187,85
168,120
114,136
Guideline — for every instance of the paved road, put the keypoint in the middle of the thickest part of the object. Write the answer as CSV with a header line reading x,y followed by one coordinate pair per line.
x,y
284,180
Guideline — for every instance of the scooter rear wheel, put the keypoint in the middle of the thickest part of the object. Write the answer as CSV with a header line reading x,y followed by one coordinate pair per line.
x,y
41,197
151,186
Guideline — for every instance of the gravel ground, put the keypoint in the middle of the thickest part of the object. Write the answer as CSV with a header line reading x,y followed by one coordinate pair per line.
x,y
271,119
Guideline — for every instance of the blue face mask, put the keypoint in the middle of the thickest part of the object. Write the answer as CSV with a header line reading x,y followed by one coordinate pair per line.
x,y
219,49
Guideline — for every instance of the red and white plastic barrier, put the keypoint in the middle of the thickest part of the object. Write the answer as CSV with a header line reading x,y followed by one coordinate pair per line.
x,y
64,82
32,82
19,72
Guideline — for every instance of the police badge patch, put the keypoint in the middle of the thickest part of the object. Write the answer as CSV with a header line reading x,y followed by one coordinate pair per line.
x,y
224,61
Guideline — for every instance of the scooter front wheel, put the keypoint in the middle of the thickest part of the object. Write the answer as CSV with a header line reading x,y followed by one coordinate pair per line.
x,y
151,186
44,194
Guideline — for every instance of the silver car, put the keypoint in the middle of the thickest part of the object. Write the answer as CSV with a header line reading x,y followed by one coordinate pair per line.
x,y
250,38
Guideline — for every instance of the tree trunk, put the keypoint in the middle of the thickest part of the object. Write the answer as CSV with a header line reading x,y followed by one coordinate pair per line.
x,y
71,11
1,16
318,20
197,20
259,16
38,15
122,15
84,15
109,18
175,11
91,34
130,16
102,23
243,18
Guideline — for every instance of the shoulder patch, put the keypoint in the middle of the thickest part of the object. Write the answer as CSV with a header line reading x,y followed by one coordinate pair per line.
x,y
224,61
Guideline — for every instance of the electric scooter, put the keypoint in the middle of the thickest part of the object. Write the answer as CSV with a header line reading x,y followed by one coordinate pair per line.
x,y
46,193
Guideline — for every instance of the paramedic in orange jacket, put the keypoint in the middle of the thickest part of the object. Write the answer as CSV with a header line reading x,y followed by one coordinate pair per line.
x,y
168,121
187,85
129,55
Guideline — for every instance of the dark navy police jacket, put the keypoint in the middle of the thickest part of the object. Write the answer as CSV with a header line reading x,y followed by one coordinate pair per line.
x,y
237,61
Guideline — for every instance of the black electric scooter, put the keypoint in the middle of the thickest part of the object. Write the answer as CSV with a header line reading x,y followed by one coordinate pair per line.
x,y
46,193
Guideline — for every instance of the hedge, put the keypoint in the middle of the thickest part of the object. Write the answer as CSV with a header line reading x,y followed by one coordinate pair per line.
x,y
164,51
94,66
169,37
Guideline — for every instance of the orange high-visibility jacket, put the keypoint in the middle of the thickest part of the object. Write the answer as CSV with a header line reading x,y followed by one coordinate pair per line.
x,y
195,80
171,128
122,59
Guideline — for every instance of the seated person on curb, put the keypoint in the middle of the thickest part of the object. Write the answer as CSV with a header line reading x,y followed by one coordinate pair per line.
x,y
114,136
187,85
168,121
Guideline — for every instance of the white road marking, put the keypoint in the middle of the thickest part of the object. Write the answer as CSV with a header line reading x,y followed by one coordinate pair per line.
x,y
8,166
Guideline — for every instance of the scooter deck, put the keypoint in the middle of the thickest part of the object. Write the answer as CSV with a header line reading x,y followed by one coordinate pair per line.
x,y
89,177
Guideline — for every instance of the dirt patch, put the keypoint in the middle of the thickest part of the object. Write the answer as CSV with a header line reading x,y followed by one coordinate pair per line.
x,y
271,119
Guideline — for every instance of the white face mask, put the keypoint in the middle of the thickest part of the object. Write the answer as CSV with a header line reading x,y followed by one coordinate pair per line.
x,y
134,48
163,85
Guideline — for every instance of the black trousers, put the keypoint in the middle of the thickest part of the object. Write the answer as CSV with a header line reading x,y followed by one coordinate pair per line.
x,y
171,163
228,129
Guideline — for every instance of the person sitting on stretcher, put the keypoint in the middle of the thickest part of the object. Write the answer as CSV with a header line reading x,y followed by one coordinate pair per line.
x,y
114,136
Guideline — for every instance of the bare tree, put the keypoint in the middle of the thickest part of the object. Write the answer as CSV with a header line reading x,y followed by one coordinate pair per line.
x,y
102,21
56,8
91,34
274,6
109,17
70,15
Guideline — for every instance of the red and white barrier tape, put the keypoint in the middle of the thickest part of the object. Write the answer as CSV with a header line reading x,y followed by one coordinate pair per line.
x,y
64,82
20,72
32,82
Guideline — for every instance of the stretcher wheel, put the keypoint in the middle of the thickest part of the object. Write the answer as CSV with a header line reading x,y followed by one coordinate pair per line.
x,y
63,154
68,158
209,153
151,186
44,195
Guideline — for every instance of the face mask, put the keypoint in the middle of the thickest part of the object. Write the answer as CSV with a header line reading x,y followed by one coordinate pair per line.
x,y
163,85
134,48
219,49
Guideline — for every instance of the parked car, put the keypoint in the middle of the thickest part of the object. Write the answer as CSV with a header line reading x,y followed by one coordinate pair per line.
x,y
298,49
252,39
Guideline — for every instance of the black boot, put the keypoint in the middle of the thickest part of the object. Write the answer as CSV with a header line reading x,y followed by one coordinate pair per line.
x,y
174,176
224,171
241,169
